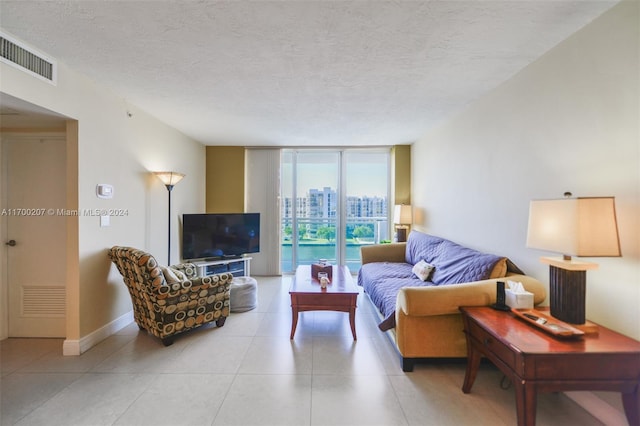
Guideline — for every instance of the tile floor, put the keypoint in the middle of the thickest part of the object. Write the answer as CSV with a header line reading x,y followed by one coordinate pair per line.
x,y
249,373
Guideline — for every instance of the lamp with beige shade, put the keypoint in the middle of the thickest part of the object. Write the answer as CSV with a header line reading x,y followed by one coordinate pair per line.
x,y
582,227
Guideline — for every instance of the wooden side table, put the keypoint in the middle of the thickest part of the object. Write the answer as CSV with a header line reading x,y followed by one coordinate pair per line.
x,y
535,361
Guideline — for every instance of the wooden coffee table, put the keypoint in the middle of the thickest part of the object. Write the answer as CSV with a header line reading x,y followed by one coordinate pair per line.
x,y
535,361
307,295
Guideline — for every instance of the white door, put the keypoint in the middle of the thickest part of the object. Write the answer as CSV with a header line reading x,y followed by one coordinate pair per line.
x,y
36,234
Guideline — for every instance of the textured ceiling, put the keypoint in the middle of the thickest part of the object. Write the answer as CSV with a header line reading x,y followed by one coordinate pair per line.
x,y
298,73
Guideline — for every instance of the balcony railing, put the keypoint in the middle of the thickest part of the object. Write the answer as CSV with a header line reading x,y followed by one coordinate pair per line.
x,y
316,239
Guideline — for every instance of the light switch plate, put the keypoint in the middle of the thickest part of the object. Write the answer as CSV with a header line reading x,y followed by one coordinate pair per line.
x,y
104,190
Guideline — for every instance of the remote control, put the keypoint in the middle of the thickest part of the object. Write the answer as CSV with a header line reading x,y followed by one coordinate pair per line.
x,y
535,318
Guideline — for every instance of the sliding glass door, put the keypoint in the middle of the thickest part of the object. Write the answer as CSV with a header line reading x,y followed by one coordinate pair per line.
x,y
366,212
309,207
332,202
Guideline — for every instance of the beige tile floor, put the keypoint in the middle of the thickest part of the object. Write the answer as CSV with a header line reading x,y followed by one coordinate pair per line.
x,y
249,373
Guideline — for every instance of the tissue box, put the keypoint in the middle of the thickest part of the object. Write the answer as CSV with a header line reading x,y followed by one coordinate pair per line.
x,y
520,300
321,267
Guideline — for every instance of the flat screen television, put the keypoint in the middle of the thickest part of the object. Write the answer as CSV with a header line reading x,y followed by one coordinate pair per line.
x,y
220,235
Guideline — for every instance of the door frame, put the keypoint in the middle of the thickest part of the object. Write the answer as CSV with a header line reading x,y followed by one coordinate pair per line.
x,y
72,229
4,288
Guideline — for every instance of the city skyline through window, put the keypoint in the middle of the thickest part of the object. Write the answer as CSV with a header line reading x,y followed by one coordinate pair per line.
x,y
339,204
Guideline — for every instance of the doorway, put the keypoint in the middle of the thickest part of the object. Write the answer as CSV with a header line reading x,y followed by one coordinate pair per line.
x,y
34,176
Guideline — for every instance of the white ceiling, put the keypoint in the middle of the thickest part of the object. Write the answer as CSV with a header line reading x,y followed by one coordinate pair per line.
x,y
298,73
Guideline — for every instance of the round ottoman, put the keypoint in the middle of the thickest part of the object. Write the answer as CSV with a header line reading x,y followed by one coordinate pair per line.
x,y
243,294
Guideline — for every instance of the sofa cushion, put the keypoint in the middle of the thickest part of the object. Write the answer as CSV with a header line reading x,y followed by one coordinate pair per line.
x,y
422,270
422,246
382,281
453,263
500,269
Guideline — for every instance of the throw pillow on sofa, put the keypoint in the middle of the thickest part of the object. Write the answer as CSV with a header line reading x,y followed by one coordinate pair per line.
x,y
500,269
422,270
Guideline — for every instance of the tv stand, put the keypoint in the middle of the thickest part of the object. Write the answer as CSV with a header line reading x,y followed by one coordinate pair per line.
x,y
237,266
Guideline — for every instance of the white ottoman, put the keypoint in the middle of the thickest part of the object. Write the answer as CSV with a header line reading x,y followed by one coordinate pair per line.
x,y
243,294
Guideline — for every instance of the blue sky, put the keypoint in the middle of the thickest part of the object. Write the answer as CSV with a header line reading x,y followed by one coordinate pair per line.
x,y
366,177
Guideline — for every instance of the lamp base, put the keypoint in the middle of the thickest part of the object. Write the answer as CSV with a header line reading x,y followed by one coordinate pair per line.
x,y
567,294
401,234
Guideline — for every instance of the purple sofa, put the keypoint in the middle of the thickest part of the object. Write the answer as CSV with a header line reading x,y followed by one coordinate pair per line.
x,y
423,316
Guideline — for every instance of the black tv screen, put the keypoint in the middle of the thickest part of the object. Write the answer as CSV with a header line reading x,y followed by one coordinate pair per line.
x,y
218,235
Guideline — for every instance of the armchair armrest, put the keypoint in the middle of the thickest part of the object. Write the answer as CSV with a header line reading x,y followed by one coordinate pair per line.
x,y
197,284
446,299
393,252
189,269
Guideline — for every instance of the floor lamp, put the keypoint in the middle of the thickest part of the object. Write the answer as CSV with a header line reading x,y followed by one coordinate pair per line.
x,y
574,227
169,179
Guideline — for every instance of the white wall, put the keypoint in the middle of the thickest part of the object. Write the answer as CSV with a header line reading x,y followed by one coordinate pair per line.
x,y
119,149
568,122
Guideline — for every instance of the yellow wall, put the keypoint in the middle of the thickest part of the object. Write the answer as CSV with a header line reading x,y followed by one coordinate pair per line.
x,y
401,172
225,179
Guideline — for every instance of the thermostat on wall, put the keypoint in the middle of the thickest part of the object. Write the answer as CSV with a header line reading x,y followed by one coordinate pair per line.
x,y
104,190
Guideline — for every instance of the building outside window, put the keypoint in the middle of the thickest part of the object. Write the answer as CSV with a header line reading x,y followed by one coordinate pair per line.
x,y
341,203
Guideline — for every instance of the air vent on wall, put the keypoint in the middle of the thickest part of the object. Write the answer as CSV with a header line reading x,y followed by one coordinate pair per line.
x,y
18,55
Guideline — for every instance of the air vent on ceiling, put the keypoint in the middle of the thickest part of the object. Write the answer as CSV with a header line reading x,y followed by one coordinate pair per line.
x,y
27,59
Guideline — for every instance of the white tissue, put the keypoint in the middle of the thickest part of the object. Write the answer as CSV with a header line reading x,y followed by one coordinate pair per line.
x,y
517,297
516,287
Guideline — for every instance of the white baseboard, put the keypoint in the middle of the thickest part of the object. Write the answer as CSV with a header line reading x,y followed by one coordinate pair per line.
x,y
598,408
71,347
77,347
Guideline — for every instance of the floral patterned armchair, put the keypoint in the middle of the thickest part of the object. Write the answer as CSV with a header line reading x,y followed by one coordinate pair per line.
x,y
171,300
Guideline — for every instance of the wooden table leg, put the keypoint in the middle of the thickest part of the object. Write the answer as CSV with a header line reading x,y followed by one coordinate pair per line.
x,y
352,322
526,402
473,363
294,320
631,404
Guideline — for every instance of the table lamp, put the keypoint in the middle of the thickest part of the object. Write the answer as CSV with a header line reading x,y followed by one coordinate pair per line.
x,y
402,217
583,227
